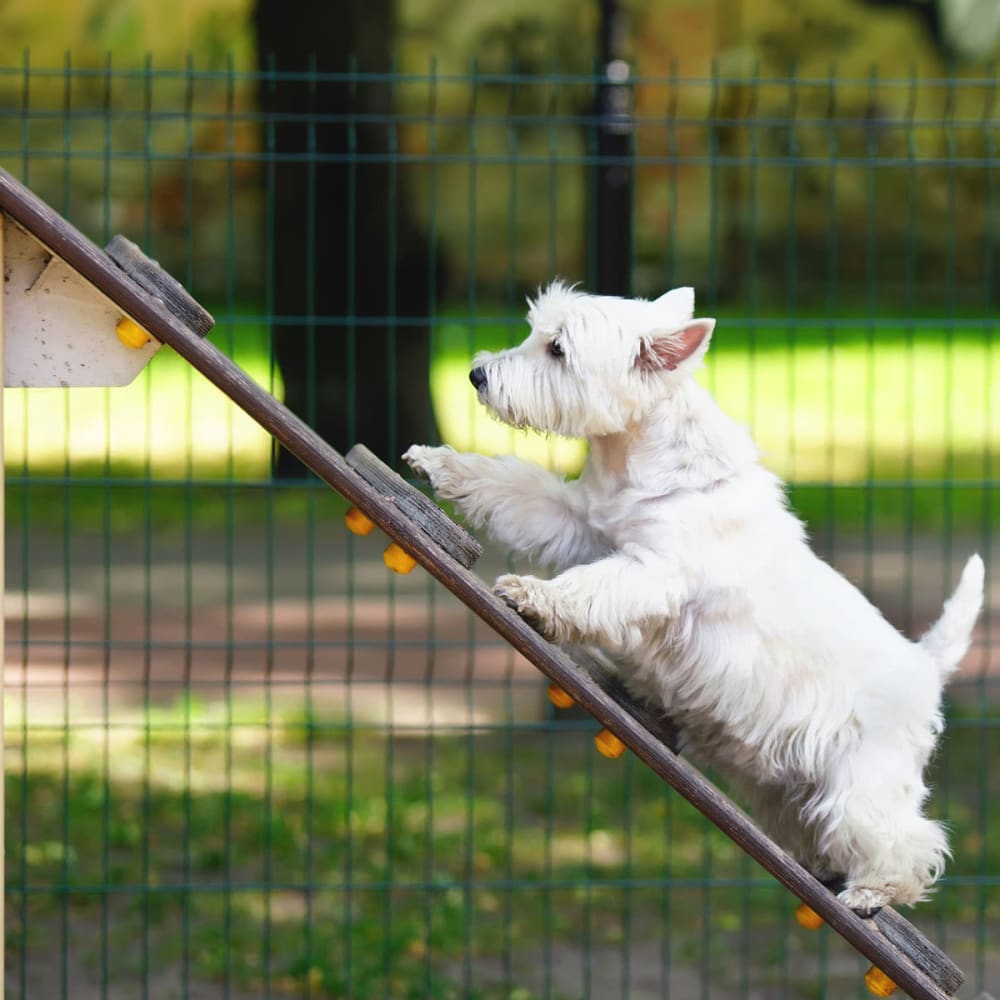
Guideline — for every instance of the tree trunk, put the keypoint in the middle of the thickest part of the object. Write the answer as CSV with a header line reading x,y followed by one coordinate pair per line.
x,y
351,272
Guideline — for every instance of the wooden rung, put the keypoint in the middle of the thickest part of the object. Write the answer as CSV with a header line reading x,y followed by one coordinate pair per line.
x,y
900,933
424,513
148,274
924,954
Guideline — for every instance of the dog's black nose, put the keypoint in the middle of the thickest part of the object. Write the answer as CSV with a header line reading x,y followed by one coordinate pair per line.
x,y
478,378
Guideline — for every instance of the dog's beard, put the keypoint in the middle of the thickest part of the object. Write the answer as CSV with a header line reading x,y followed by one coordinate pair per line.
x,y
548,399
506,416
521,397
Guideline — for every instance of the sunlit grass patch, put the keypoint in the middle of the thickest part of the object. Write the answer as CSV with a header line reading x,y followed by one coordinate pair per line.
x,y
291,849
841,408
170,422
842,404
848,411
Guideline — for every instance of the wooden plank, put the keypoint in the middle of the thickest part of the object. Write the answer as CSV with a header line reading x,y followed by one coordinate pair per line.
x,y
426,514
647,715
331,467
148,273
925,954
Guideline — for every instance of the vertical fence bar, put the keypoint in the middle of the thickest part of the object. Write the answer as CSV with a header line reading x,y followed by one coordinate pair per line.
x,y
910,299
188,549
351,756
431,892
833,249
25,579
612,231
982,702
67,622
107,567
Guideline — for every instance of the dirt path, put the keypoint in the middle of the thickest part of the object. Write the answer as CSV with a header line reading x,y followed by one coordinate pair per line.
x,y
122,625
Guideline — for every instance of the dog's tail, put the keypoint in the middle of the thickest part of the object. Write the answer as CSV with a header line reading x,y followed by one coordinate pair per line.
x,y
948,639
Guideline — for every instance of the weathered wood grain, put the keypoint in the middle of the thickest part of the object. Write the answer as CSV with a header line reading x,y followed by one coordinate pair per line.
x,y
148,273
425,514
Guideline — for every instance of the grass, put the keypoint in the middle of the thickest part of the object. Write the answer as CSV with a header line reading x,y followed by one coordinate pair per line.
x,y
824,405
884,427
894,424
169,423
288,852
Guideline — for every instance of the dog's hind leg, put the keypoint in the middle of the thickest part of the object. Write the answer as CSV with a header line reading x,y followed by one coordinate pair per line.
x,y
780,818
889,851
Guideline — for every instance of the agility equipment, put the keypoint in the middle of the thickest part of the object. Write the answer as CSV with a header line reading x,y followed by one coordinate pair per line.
x,y
133,307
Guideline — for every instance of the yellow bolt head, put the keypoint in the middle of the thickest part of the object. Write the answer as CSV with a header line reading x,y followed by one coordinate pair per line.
x,y
878,983
608,745
358,523
559,698
808,917
398,559
131,334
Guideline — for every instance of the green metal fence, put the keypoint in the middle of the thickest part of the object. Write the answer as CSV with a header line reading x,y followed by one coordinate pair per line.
x,y
243,759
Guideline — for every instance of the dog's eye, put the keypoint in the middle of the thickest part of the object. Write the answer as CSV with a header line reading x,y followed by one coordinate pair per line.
x,y
556,349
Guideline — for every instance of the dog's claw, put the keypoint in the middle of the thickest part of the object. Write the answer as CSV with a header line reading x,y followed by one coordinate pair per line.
x,y
518,595
412,458
865,902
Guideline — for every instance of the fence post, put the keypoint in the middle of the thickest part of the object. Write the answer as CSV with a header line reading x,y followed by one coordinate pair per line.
x,y
612,186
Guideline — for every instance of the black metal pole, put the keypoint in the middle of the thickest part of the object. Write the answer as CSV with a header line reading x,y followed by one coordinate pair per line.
x,y
612,188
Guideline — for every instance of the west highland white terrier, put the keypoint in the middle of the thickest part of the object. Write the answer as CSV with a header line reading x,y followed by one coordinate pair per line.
x,y
677,555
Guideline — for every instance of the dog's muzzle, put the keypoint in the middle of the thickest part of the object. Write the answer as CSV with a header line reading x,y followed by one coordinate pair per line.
x,y
478,378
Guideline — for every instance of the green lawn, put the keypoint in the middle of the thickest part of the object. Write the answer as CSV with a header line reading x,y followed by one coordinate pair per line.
x,y
823,407
283,850
839,408
891,426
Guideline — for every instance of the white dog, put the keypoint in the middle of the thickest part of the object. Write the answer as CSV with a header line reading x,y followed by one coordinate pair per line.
x,y
678,556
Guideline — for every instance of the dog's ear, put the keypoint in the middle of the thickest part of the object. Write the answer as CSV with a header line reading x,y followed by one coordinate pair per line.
x,y
678,304
671,349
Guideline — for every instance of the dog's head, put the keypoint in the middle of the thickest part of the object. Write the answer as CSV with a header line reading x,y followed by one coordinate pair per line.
x,y
593,364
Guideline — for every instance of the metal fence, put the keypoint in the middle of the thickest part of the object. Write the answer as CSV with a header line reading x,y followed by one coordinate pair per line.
x,y
243,759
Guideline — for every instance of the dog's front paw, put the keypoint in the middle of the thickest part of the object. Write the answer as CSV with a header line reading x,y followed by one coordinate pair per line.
x,y
423,459
526,595
434,465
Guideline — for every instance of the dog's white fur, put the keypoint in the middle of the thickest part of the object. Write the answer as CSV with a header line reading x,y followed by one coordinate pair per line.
x,y
678,556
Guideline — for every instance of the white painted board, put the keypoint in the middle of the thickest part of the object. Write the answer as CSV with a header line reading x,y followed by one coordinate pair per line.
x,y
59,329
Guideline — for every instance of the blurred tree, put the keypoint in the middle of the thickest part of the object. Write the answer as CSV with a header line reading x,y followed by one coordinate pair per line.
x,y
352,274
961,29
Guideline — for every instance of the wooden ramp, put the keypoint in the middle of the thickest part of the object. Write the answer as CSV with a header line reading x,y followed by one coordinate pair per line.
x,y
900,954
